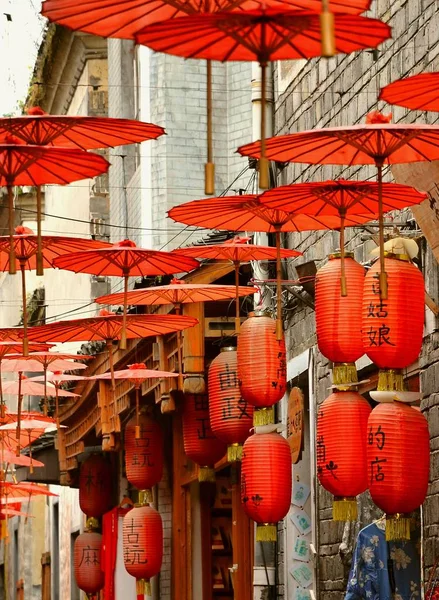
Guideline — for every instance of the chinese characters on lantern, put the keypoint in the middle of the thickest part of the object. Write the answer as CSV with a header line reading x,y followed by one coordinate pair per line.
x,y
133,552
90,556
379,333
377,438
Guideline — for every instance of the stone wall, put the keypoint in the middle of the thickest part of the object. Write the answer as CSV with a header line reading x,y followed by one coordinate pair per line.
x,y
341,91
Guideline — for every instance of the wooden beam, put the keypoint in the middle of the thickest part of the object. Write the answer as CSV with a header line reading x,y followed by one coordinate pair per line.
x,y
193,350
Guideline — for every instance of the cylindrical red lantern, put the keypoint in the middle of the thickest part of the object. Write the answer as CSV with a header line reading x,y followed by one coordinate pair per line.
x,y
338,318
231,417
266,482
200,444
144,454
95,486
143,545
87,563
262,367
341,450
398,458
393,328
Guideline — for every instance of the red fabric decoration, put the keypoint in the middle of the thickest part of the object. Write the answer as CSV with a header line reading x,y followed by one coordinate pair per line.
x,y
200,444
231,417
95,486
266,481
144,456
87,564
393,328
338,318
341,450
143,544
398,457
262,368
110,530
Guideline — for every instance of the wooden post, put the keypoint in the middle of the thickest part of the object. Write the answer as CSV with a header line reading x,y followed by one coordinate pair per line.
x,y
166,399
193,350
104,403
243,545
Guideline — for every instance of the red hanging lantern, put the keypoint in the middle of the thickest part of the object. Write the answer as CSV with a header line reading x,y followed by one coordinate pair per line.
x,y
87,563
398,458
231,417
338,317
341,450
266,482
262,367
95,486
144,454
143,545
200,445
393,328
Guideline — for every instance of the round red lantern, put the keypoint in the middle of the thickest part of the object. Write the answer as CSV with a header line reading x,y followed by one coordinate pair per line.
x,y
262,367
231,417
266,482
338,317
398,459
200,444
393,328
87,563
95,486
144,454
143,545
341,450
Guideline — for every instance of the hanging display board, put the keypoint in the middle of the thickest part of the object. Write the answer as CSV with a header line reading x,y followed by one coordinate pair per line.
x,y
295,423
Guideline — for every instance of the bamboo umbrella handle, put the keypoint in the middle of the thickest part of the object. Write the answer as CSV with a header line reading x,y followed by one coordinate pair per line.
x,y
264,183
279,328
209,167
20,400
113,381
137,428
327,30
123,337
383,274
24,301
40,271
238,312
343,287
12,265
57,407
179,352
45,391
2,402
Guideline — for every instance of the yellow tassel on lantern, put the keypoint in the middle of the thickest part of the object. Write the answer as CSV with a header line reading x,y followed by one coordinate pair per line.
x,y
263,416
344,509
234,452
4,529
397,527
206,474
92,524
266,532
145,497
344,373
390,380
143,587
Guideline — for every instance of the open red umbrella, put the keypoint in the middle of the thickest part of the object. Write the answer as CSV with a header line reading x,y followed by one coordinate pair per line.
x,y
260,35
18,491
237,252
138,374
247,213
125,18
125,259
10,458
420,92
22,164
378,142
343,199
28,427
8,439
178,293
66,131
25,246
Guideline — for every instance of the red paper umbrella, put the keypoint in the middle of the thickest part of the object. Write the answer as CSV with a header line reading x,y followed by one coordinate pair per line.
x,y
39,165
419,92
28,427
8,439
260,35
13,512
26,490
138,374
236,251
26,247
125,18
342,199
23,461
377,142
125,260
248,213
178,293
56,379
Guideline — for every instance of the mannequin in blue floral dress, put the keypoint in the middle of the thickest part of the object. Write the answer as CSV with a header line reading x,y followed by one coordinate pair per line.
x,y
384,570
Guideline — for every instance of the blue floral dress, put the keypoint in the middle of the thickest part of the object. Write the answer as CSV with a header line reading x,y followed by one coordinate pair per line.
x,y
369,577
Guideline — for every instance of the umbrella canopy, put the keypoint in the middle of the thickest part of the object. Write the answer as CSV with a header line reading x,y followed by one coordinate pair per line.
x,y
65,131
30,425
378,142
124,18
125,259
21,164
22,490
260,35
25,250
6,456
419,92
32,388
32,363
137,373
57,378
26,438
13,512
16,347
